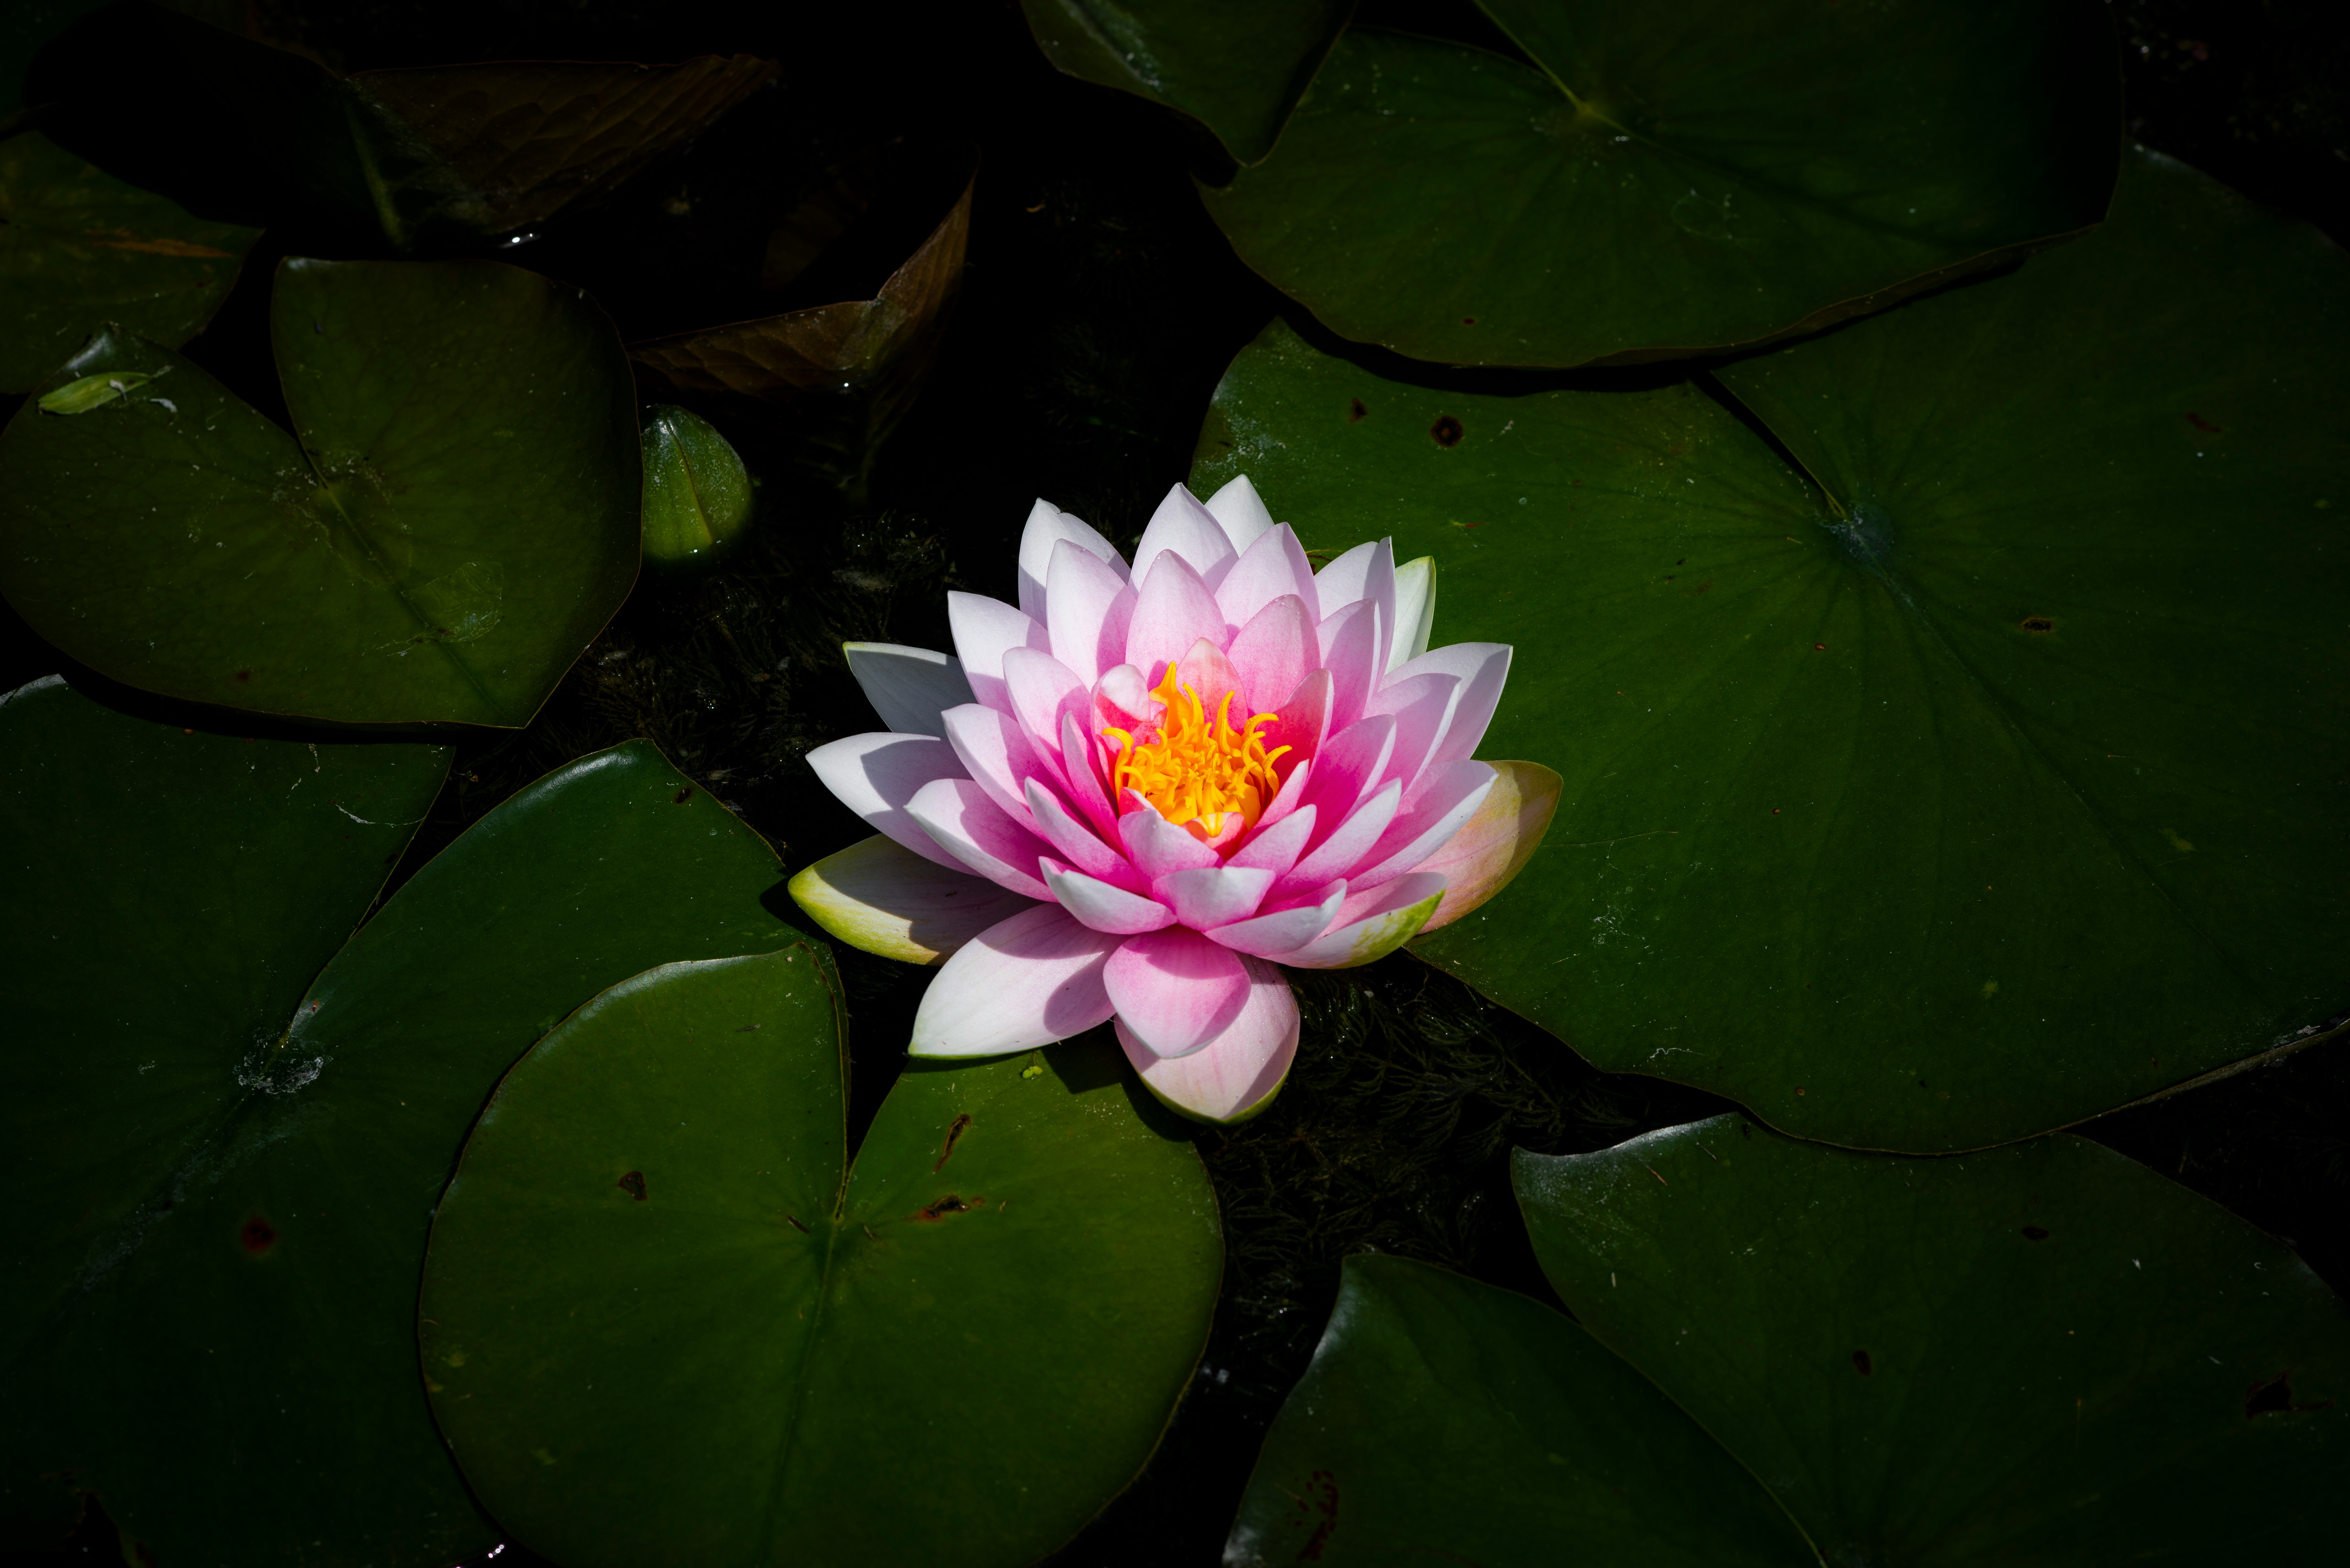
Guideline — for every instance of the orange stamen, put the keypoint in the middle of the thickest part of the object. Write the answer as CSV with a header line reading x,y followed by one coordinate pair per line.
x,y
1196,769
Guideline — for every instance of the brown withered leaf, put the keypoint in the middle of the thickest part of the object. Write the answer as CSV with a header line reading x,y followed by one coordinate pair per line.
x,y
836,377
508,145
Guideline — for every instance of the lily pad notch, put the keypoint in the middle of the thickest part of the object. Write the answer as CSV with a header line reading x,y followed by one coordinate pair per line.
x,y
453,518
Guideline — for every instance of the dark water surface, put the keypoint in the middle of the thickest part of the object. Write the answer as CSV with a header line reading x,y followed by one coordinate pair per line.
x,y
1098,311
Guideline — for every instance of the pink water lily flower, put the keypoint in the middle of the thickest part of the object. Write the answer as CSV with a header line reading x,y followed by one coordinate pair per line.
x,y
1143,791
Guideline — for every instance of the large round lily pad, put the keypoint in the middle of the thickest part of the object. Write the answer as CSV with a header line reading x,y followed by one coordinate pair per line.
x,y
231,1135
2039,1354
1444,1420
451,520
1989,790
1676,177
1235,66
79,248
664,1321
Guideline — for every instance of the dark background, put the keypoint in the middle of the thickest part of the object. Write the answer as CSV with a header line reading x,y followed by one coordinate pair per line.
x,y
1099,308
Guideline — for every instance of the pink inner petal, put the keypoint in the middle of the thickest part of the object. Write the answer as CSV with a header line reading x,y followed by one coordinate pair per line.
x,y
1028,982
1183,527
1048,526
1089,610
1283,930
1448,798
1175,610
1241,512
984,630
1340,582
1301,725
1363,575
1348,846
1277,848
1242,1069
1205,669
1302,721
1227,837
1351,764
1421,704
1102,907
1084,766
1039,688
1175,990
994,752
1078,844
1273,651
1272,567
1214,894
1157,845
958,815
876,775
1350,642
1122,701
1372,924
1296,778
1379,589
1472,710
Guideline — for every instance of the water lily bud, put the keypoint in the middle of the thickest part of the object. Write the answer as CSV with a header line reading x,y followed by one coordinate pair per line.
x,y
697,491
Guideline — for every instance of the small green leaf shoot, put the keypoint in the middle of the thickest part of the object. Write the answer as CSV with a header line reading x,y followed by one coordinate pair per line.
x,y
697,495
88,392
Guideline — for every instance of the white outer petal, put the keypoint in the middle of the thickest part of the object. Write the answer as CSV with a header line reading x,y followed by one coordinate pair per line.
x,y
881,897
876,775
984,630
1448,797
908,687
1184,525
962,820
1241,512
1047,526
1415,610
1340,580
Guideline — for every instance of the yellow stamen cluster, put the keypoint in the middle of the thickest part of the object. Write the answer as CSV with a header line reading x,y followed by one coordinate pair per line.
x,y
1196,769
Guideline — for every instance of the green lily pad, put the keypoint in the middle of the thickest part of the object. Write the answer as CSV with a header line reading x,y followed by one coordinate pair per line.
x,y
452,520
1670,178
1238,69
2040,1353
662,1320
2001,797
1444,1420
79,248
231,1133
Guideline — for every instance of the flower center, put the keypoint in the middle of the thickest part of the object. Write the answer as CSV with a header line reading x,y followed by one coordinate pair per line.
x,y
1197,768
